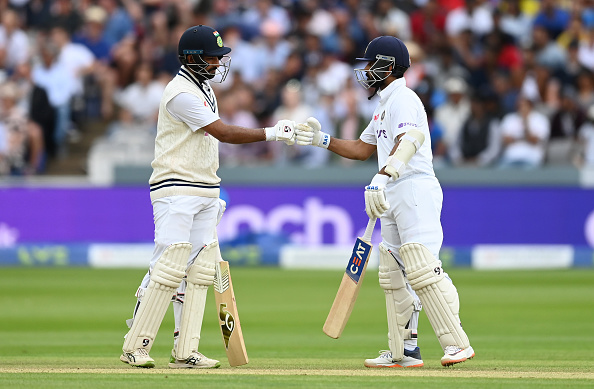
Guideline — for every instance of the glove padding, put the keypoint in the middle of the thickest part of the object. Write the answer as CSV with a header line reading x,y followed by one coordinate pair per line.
x,y
375,198
310,134
283,130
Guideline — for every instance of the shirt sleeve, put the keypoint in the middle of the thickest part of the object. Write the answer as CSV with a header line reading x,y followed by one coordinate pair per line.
x,y
368,135
189,109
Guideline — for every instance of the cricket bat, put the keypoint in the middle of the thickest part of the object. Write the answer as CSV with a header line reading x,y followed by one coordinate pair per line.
x,y
349,286
228,315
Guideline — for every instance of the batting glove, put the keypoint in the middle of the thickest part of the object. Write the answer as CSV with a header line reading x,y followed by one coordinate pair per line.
x,y
375,198
283,130
312,134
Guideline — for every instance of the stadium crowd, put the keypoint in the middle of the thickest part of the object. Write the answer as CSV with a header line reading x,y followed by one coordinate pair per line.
x,y
506,83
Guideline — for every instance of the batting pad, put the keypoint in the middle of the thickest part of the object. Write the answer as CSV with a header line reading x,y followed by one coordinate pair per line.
x,y
399,302
437,294
166,277
199,277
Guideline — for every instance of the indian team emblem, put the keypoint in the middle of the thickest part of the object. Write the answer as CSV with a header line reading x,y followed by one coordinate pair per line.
x,y
383,115
219,39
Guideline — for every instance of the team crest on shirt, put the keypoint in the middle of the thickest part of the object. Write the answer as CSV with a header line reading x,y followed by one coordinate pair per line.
x,y
383,115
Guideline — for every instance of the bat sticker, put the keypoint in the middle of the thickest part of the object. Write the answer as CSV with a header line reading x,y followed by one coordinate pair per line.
x,y
359,256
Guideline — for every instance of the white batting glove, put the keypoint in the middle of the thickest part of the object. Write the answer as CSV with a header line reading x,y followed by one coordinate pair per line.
x,y
283,130
312,134
375,198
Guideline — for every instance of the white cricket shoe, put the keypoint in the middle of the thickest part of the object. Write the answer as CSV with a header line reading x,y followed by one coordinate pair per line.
x,y
194,361
139,358
411,359
455,354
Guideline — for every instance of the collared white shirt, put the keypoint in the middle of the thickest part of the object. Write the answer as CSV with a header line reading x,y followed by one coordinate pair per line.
x,y
399,110
187,108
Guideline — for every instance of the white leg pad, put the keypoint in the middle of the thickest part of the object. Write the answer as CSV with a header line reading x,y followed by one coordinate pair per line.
x,y
437,293
399,302
200,276
165,279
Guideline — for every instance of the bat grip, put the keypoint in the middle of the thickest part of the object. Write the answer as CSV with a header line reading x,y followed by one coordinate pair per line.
x,y
369,230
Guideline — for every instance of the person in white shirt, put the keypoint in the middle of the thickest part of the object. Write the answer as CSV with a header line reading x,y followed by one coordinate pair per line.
x,y
407,197
14,43
525,134
184,191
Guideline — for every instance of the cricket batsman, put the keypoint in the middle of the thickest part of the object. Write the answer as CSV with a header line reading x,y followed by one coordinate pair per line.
x,y
184,192
407,197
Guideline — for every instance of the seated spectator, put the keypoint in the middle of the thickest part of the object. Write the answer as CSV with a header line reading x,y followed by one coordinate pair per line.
x,y
144,89
479,141
586,141
451,115
22,144
553,18
525,134
14,44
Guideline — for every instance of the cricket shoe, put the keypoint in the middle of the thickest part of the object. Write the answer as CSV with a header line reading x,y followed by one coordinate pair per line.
x,y
411,359
194,361
455,354
138,358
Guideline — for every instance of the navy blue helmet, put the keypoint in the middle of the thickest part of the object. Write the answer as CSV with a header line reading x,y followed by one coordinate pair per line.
x,y
386,51
203,41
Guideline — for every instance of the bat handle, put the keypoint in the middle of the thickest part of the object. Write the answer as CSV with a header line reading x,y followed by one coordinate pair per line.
x,y
369,230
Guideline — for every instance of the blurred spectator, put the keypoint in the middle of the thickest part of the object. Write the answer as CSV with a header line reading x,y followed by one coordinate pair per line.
x,y
74,61
552,18
59,86
515,22
547,50
14,44
391,20
475,16
479,140
64,13
525,134
144,89
118,25
586,49
91,34
585,89
428,25
586,141
22,143
451,115
292,108
235,108
565,124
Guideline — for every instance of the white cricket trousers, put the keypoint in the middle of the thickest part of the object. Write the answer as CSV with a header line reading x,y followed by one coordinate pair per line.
x,y
414,214
183,219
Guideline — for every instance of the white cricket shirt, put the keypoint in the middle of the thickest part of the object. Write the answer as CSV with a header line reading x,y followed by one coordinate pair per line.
x,y
399,110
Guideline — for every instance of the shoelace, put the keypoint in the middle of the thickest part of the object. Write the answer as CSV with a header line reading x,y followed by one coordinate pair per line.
x,y
386,354
452,350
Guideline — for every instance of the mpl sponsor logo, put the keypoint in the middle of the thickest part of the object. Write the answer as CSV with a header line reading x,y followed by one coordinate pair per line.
x,y
358,259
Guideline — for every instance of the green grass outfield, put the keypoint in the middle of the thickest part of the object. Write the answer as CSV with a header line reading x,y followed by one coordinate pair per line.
x,y
63,328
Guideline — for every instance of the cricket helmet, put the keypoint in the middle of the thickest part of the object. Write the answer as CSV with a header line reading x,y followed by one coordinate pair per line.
x,y
386,51
203,41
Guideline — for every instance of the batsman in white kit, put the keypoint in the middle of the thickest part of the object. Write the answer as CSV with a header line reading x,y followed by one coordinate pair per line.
x,y
407,197
184,191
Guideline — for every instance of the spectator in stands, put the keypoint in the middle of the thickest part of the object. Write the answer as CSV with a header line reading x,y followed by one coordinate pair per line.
x,y
475,15
77,61
586,141
515,22
585,89
479,140
391,20
22,145
586,48
91,34
144,89
428,26
547,50
118,25
525,134
451,115
552,18
14,44
565,124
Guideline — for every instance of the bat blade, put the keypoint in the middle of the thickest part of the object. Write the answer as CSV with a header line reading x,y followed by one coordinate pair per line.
x,y
228,316
349,287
